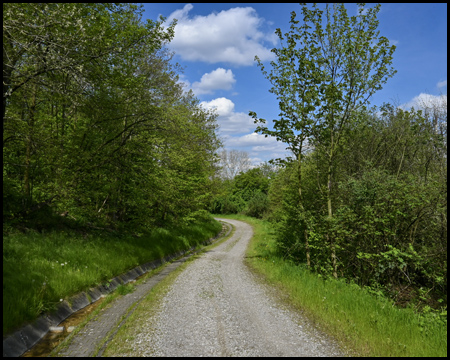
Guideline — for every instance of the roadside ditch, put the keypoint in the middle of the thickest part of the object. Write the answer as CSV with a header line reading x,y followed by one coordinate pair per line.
x,y
50,329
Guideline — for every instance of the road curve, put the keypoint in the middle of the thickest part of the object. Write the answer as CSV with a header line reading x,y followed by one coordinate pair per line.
x,y
215,307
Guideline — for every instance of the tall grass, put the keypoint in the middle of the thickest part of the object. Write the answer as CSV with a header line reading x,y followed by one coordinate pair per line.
x,y
41,269
362,322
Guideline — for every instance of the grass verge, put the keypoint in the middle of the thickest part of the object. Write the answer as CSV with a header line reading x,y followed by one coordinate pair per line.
x,y
40,269
109,301
368,325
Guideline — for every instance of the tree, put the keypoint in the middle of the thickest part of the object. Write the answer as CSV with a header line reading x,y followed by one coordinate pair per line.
x,y
233,162
251,182
65,38
321,78
55,59
96,121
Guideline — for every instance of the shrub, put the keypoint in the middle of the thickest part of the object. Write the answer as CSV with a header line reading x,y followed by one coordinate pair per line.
x,y
258,205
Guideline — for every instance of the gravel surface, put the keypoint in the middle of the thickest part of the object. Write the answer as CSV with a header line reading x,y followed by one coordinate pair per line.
x,y
217,308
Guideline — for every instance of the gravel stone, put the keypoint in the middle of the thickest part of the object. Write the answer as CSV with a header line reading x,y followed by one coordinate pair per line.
x,y
216,307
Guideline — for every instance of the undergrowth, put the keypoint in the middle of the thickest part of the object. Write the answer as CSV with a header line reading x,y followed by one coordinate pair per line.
x,y
366,324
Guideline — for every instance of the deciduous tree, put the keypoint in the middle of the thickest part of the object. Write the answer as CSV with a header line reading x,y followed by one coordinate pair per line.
x,y
322,76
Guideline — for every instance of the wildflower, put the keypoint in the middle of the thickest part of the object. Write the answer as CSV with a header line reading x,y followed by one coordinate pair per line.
x,y
62,264
60,299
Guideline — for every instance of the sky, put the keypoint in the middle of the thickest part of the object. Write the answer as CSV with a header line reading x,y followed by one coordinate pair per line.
x,y
216,45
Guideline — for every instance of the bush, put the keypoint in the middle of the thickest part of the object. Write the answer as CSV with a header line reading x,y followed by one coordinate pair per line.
x,y
229,204
258,205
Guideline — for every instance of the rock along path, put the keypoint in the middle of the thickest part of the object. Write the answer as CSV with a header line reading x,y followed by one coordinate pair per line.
x,y
215,307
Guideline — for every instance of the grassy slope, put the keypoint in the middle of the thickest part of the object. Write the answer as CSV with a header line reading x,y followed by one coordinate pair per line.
x,y
41,268
367,325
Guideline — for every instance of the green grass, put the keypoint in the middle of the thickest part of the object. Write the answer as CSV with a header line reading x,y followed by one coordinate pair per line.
x,y
364,324
42,268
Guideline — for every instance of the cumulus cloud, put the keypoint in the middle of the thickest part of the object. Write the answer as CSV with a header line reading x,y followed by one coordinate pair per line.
x,y
219,79
230,122
231,36
234,125
422,100
258,146
257,142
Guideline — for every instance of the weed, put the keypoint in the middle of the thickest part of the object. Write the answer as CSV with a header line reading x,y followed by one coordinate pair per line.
x,y
125,289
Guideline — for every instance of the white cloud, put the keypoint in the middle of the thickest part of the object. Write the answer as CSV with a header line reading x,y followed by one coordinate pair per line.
x,y
258,146
441,84
219,79
424,99
228,36
234,123
184,81
257,141
393,42
230,122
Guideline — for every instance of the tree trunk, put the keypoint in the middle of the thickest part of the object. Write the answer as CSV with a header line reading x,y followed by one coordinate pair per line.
x,y
330,216
299,158
308,257
26,177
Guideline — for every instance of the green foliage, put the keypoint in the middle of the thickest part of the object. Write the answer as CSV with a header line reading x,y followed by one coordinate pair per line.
x,y
102,129
322,76
249,183
245,193
228,204
258,205
388,225
368,200
384,221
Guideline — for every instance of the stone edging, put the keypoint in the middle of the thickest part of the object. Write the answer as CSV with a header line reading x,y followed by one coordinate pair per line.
x,y
25,338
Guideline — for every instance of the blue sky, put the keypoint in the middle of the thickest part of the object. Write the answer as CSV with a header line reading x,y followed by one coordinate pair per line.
x,y
216,45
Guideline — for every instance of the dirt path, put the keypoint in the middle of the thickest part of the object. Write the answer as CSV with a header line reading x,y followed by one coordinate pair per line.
x,y
217,308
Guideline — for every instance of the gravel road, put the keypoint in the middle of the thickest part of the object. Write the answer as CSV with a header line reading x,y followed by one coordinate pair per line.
x,y
217,308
